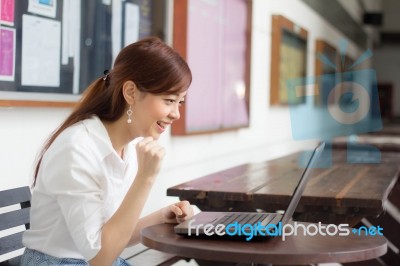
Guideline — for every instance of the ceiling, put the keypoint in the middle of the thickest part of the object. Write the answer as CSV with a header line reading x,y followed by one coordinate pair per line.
x,y
388,32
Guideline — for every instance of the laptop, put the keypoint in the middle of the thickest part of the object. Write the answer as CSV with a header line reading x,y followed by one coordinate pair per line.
x,y
242,225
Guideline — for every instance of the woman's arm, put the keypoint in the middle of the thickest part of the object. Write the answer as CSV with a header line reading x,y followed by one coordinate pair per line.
x,y
175,213
117,231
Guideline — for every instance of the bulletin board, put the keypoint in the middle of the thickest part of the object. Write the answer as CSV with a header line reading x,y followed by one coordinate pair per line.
x,y
51,50
214,37
288,58
326,65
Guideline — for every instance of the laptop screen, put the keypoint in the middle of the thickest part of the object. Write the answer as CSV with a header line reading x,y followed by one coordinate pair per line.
x,y
298,191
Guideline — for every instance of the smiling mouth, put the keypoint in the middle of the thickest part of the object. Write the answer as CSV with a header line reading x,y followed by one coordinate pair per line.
x,y
161,124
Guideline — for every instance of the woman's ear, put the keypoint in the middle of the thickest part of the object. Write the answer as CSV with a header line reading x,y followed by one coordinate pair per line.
x,y
129,91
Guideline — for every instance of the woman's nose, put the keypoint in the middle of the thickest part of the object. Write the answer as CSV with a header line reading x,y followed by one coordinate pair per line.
x,y
175,113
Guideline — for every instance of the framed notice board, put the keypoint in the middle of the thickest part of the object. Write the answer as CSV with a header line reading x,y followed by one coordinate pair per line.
x,y
214,38
51,50
288,58
326,65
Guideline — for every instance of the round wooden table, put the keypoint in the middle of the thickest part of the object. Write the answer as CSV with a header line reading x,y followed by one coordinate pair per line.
x,y
294,250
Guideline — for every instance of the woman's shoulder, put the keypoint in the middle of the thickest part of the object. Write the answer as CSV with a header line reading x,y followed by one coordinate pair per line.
x,y
87,136
75,137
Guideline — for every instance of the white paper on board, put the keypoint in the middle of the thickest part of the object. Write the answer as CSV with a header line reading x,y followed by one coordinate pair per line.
x,y
41,52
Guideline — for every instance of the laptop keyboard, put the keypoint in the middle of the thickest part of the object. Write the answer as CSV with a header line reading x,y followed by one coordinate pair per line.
x,y
247,218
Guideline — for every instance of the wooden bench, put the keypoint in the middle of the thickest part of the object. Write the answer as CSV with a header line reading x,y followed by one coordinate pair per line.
x,y
384,143
14,220
387,140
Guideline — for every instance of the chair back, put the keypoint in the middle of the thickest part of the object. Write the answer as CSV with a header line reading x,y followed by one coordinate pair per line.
x,y
10,233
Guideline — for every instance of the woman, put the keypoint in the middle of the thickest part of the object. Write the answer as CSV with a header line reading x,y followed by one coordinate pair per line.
x,y
90,184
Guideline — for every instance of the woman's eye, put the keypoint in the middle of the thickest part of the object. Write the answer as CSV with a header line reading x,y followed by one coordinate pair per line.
x,y
172,101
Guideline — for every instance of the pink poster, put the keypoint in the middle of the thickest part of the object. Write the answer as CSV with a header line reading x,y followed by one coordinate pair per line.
x,y
7,54
7,12
216,54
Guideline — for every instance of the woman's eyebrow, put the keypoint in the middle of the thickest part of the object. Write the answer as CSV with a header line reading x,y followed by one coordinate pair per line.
x,y
177,95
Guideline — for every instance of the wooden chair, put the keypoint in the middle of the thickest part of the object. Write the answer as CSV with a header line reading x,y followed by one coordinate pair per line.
x,y
9,220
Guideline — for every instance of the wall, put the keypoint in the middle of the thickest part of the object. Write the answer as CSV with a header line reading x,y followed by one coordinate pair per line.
x,y
391,16
23,130
387,57
387,65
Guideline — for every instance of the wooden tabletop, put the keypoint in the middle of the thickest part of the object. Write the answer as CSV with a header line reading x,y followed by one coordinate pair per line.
x,y
389,129
384,143
298,249
387,139
341,193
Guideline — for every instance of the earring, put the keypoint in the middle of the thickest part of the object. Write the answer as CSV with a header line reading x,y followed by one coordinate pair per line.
x,y
129,113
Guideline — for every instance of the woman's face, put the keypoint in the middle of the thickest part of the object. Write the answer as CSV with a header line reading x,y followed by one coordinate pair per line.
x,y
152,114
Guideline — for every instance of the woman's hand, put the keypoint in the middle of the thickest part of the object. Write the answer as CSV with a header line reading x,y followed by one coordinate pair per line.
x,y
178,212
149,157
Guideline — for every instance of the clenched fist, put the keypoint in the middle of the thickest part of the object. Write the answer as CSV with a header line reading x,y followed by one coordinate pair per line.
x,y
149,157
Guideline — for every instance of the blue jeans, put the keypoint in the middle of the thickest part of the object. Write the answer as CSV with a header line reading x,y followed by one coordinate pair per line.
x,y
36,258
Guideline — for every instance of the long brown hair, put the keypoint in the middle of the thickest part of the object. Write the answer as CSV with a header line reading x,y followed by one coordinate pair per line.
x,y
151,64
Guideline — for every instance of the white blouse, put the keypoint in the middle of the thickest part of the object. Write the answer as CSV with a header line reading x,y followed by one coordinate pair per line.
x,y
81,183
